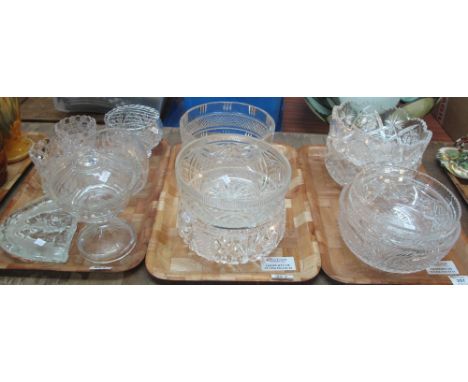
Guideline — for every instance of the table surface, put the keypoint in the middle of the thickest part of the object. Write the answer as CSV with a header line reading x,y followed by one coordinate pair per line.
x,y
139,275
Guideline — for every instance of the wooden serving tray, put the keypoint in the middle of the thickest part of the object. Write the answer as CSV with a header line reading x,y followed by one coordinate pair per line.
x,y
16,169
140,213
169,258
338,262
460,184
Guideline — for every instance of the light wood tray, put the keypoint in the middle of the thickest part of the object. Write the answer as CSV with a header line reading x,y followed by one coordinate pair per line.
x,y
338,262
15,170
169,258
140,213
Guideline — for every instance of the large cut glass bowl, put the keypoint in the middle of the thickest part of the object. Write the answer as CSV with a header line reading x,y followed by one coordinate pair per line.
x,y
232,197
398,220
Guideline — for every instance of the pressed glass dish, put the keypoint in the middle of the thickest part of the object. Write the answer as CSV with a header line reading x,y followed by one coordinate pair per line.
x,y
40,232
398,220
232,190
358,139
143,121
226,118
94,184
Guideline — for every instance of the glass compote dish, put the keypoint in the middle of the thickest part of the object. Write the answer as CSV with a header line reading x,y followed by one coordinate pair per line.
x,y
365,137
94,183
232,197
143,121
226,118
398,220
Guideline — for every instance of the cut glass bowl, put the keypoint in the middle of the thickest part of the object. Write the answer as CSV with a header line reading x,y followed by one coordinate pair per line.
x,y
226,118
398,220
232,191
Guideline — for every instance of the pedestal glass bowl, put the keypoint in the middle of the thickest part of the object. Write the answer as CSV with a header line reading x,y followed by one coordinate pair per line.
x,y
357,139
143,121
94,184
232,191
398,220
226,118
73,131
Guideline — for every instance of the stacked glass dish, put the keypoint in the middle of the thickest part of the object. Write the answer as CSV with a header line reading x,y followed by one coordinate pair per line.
x,y
232,183
397,219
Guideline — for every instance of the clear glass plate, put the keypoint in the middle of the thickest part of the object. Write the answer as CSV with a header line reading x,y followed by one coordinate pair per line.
x,y
40,232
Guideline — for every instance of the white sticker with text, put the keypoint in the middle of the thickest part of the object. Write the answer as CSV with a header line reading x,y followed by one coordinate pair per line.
x,y
282,276
278,264
446,267
40,242
459,280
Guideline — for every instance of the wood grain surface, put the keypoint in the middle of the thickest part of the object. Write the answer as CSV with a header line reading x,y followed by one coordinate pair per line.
x,y
338,262
169,258
460,184
140,213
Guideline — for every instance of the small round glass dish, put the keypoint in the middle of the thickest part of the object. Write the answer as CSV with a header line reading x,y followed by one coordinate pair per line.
x,y
232,197
398,220
226,118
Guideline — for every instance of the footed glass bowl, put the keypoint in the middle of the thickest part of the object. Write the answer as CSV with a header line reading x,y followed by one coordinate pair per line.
x,y
398,220
226,118
232,191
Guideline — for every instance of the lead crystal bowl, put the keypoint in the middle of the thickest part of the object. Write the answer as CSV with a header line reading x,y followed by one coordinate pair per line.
x,y
226,118
360,138
232,191
398,220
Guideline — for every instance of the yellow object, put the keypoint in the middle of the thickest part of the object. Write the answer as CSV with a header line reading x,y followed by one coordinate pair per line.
x,y
15,143
419,108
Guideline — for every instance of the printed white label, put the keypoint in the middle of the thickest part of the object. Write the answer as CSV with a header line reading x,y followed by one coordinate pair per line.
x,y
443,268
282,276
278,264
104,176
459,280
39,242
100,268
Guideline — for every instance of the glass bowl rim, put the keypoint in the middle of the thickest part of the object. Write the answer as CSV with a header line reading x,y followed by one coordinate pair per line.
x,y
270,122
118,110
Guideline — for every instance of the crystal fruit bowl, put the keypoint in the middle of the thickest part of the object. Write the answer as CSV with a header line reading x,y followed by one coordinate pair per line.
x,y
365,137
398,220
